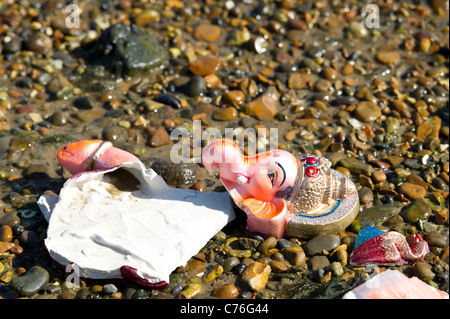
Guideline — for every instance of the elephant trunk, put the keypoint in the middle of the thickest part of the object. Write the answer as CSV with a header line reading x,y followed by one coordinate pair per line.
x,y
226,157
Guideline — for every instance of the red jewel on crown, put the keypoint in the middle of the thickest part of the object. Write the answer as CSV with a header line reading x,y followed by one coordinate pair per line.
x,y
311,160
311,171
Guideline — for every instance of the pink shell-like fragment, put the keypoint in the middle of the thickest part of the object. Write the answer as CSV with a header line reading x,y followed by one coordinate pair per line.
x,y
391,248
392,284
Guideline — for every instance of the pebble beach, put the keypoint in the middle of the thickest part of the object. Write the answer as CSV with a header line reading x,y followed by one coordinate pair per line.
x,y
369,90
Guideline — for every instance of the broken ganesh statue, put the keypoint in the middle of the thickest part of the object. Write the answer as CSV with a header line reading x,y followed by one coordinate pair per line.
x,y
283,194
116,219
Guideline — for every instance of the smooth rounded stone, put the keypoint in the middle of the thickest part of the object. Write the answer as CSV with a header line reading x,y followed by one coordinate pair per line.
x,y
365,195
59,118
207,32
204,65
416,179
109,289
299,80
429,129
336,269
30,283
30,238
358,30
378,177
267,244
264,107
284,243
322,242
375,215
424,271
435,239
228,291
83,103
256,276
195,266
128,50
367,111
226,114
234,97
4,247
190,291
159,138
111,133
401,107
439,183
391,57
417,210
6,233
294,255
39,43
322,85
319,262
195,87
412,191
278,266
229,263
357,166
212,274
10,219
329,73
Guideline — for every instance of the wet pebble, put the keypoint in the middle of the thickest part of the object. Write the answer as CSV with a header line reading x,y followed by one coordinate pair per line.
x,y
424,271
204,65
367,111
378,177
226,114
412,191
10,219
195,87
190,291
318,262
159,137
418,210
358,30
212,274
59,118
435,239
267,244
207,32
6,233
365,195
30,283
256,276
322,242
40,43
391,58
229,263
110,133
294,255
109,289
228,291
263,107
